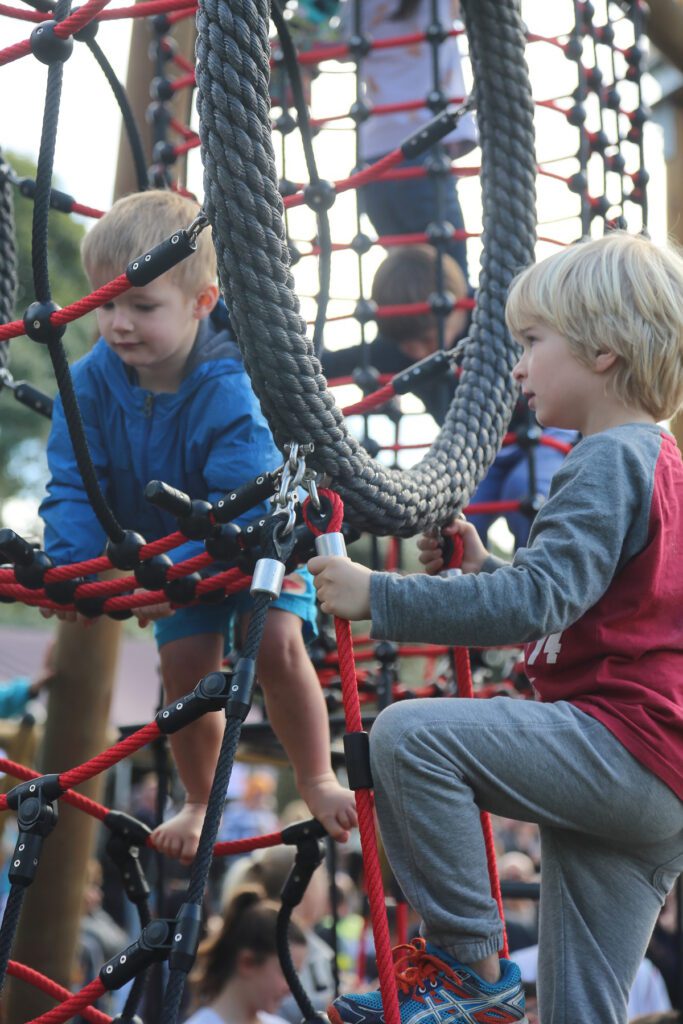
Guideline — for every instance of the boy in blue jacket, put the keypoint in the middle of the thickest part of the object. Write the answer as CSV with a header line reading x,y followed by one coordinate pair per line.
x,y
164,394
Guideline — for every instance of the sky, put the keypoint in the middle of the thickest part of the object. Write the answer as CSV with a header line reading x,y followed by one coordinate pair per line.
x,y
89,129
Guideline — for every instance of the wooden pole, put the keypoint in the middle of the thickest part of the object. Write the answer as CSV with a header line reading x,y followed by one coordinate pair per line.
x,y
141,72
674,205
664,26
75,730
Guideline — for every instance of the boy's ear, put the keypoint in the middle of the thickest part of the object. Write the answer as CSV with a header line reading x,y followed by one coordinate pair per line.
x,y
605,361
205,301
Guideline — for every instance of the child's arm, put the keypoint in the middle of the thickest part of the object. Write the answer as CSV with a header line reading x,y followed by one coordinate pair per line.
x,y
72,531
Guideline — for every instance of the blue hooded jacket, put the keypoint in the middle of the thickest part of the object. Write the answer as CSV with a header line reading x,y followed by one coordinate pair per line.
x,y
207,438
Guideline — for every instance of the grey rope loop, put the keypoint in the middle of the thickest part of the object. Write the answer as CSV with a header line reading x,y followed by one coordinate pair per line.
x,y
8,255
245,210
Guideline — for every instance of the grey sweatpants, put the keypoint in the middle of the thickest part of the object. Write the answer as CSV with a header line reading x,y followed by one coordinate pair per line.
x,y
611,834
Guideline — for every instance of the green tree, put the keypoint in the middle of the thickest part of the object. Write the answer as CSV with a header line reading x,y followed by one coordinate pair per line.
x,y
23,433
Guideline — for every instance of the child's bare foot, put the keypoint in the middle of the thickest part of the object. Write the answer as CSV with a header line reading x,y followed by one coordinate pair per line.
x,y
331,804
179,836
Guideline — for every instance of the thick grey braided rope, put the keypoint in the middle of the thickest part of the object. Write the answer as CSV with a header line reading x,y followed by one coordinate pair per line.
x,y
245,210
8,259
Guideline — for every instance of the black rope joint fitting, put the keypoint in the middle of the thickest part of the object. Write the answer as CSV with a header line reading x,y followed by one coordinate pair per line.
x,y
88,32
186,935
49,48
310,852
37,814
63,591
434,365
123,847
37,322
360,46
432,132
225,543
208,695
365,311
234,503
320,195
241,689
33,576
298,831
60,201
153,946
125,553
151,572
91,607
160,258
357,754
182,590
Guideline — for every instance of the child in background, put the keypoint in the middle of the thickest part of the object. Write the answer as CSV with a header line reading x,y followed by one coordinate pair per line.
x,y
597,760
237,978
409,275
164,395
408,206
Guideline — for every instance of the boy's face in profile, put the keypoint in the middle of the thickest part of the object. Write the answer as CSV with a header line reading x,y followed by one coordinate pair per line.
x,y
152,329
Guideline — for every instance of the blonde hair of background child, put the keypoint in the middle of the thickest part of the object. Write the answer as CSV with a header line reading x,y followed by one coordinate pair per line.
x,y
140,221
621,294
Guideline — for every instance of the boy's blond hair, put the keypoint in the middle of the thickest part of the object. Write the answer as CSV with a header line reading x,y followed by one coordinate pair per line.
x,y
620,294
140,221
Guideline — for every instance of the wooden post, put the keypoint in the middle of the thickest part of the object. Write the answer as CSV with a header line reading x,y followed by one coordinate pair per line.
x,y
75,730
664,27
141,71
674,202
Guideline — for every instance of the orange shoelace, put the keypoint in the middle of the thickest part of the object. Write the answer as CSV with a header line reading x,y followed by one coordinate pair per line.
x,y
414,965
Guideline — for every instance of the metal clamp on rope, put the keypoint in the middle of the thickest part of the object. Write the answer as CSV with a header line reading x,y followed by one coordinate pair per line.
x,y
153,946
161,257
187,931
37,813
269,572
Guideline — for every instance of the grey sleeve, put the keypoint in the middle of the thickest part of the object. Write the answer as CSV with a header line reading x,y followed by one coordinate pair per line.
x,y
595,519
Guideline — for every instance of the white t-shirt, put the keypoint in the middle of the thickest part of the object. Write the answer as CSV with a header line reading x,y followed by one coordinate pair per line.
x,y
206,1015
401,74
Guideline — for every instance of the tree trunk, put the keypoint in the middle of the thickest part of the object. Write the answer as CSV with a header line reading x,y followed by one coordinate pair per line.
x,y
75,730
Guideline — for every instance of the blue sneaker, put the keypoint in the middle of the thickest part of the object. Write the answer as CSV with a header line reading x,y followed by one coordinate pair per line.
x,y
435,989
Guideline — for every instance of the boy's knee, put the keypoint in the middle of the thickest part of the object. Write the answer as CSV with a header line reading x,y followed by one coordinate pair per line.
x,y
282,649
387,728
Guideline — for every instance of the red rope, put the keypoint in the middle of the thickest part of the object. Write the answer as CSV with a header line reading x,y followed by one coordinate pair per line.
x,y
364,807
110,757
51,988
72,1006
247,845
373,401
82,803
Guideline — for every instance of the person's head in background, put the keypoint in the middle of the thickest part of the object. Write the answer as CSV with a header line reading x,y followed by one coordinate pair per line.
x,y
237,972
409,275
152,329
269,868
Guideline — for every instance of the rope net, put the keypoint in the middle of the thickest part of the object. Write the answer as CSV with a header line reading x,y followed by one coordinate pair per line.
x,y
271,208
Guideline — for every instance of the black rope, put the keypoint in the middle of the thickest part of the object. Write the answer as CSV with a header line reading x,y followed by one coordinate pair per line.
x,y
285,956
8,255
10,920
130,124
291,63
74,422
201,865
245,209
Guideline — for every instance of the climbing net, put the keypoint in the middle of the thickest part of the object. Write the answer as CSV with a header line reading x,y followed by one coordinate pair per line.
x,y
246,210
